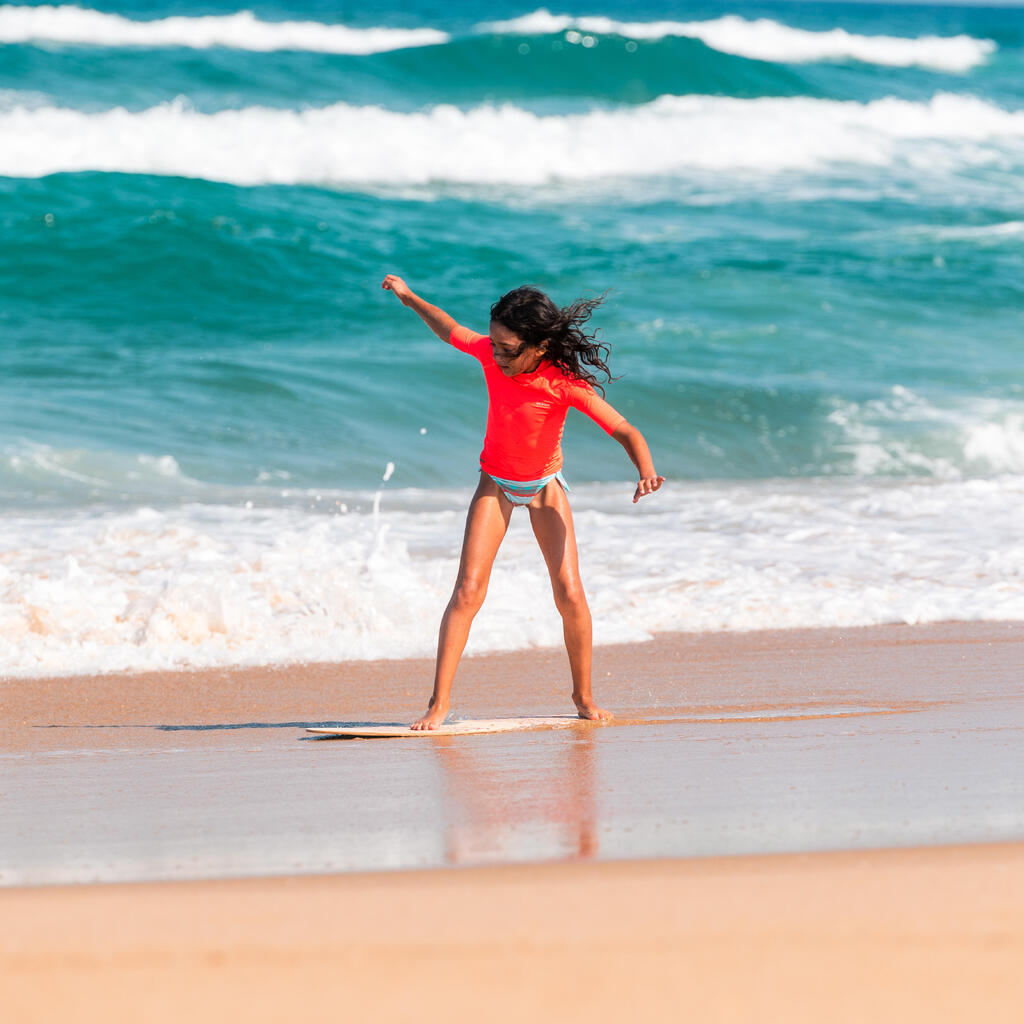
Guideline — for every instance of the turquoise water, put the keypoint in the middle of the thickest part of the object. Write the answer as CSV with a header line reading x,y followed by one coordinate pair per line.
x,y
809,218
240,329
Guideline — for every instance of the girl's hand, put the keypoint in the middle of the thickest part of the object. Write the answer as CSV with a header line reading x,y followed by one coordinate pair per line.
x,y
393,283
647,485
436,319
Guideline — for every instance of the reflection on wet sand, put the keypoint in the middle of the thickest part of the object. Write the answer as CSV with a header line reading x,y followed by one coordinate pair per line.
x,y
538,804
722,745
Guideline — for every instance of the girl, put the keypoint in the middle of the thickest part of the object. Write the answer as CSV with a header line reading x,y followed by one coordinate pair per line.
x,y
534,365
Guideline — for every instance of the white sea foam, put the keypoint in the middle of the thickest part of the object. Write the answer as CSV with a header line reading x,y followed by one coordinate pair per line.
x,y
673,135
764,39
1010,230
73,475
201,585
902,433
761,39
241,31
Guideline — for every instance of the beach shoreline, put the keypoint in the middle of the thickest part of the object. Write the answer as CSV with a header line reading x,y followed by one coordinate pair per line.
x,y
742,743
840,655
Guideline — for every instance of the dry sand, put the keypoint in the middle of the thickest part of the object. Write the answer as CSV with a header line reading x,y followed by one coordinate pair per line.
x,y
906,935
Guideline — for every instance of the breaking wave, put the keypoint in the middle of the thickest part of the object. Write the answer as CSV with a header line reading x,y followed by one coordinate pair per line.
x,y
344,144
760,39
241,31
764,39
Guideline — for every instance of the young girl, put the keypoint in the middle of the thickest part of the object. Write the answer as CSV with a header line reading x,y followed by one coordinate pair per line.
x,y
535,366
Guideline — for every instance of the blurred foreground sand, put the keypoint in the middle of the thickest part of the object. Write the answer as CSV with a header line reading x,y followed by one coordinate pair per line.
x,y
908,935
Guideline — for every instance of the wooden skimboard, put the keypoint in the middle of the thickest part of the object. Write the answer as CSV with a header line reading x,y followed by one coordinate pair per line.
x,y
370,730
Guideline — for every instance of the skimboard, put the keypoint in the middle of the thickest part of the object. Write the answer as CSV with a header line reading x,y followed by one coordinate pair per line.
x,y
371,730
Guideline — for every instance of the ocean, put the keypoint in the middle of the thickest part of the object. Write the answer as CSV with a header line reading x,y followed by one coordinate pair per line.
x,y
221,443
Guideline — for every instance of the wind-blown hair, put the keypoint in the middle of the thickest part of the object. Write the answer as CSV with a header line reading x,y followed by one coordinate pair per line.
x,y
530,314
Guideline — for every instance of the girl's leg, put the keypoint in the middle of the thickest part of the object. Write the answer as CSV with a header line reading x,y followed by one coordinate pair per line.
x,y
551,518
486,524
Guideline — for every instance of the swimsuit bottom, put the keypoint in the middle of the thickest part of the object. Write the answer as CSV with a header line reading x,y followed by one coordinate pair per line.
x,y
522,492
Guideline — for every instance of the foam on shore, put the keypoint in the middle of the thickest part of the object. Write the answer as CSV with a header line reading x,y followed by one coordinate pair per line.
x,y
101,590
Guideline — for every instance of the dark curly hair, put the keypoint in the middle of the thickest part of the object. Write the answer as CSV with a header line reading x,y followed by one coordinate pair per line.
x,y
531,315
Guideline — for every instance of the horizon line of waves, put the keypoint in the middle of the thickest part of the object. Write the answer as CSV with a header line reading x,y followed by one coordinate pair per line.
x,y
350,146
240,31
768,40
758,39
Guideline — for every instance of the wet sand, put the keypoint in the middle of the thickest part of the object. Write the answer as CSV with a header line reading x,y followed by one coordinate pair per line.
x,y
724,744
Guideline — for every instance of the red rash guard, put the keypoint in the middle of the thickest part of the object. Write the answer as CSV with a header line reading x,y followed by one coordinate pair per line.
x,y
526,413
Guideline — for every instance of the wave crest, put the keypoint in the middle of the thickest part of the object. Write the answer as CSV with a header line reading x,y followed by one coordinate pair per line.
x,y
759,39
241,31
673,135
902,433
764,39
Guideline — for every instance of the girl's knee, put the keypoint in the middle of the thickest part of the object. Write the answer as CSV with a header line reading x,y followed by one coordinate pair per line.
x,y
570,597
469,594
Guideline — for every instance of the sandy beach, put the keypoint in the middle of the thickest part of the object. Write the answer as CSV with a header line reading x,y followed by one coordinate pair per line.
x,y
720,850
905,935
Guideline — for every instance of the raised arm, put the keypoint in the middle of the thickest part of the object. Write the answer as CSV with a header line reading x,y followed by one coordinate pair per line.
x,y
636,448
436,319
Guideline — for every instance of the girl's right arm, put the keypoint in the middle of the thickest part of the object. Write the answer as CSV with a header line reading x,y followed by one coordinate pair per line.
x,y
436,319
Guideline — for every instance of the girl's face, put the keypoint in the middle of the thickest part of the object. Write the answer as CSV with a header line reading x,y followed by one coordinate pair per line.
x,y
512,354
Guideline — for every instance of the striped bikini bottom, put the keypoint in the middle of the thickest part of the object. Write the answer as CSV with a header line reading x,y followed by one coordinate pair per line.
x,y
522,492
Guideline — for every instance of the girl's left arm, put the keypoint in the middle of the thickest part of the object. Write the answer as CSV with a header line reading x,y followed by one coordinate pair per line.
x,y
636,448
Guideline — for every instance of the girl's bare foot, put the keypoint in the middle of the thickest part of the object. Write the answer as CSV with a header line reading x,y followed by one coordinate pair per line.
x,y
591,712
435,716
